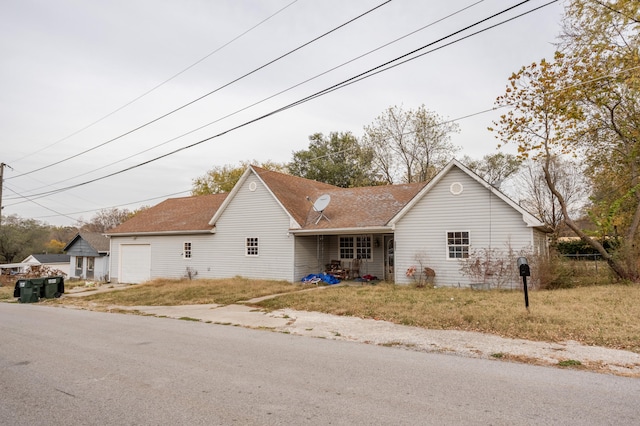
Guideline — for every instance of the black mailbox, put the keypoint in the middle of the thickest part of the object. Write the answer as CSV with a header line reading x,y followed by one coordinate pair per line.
x,y
523,265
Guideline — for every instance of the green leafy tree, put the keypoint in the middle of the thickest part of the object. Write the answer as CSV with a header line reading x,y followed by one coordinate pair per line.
x,y
223,178
337,159
586,103
20,238
409,146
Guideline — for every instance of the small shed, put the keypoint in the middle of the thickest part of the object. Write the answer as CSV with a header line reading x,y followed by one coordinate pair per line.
x,y
89,256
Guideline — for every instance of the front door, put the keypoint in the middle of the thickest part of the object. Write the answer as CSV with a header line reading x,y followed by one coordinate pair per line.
x,y
90,267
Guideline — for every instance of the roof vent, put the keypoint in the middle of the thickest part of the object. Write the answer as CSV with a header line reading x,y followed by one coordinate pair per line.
x,y
456,188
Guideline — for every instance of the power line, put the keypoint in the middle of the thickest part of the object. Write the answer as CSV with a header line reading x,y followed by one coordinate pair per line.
x,y
358,77
271,96
495,108
155,87
453,120
407,56
43,206
207,94
119,205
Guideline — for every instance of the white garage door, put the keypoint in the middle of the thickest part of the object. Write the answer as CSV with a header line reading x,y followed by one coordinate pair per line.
x,y
135,263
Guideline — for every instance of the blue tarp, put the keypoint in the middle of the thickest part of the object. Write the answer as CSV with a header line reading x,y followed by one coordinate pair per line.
x,y
327,278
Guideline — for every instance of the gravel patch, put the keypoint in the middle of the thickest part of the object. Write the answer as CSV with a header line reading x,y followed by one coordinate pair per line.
x,y
463,343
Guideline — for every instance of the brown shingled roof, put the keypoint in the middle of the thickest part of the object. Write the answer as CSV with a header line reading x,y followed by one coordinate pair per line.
x,y
369,206
99,242
174,214
349,207
292,191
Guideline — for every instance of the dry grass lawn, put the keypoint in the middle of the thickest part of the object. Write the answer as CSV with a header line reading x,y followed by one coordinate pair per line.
x,y
606,316
601,315
163,292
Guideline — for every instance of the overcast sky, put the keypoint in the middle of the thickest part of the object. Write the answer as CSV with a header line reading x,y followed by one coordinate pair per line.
x,y
67,64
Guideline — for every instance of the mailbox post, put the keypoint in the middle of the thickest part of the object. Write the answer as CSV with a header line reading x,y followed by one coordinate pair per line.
x,y
525,272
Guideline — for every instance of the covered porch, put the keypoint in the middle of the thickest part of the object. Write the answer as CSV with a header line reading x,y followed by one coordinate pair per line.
x,y
348,255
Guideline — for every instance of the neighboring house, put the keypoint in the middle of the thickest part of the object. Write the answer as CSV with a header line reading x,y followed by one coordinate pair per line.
x,y
11,268
53,261
89,256
268,227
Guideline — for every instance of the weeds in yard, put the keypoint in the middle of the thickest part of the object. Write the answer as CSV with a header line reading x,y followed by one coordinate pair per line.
x,y
192,292
569,363
189,319
594,315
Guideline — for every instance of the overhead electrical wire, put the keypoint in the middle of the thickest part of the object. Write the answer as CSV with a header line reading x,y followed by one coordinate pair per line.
x,y
205,95
268,97
453,120
163,197
186,191
157,86
344,83
407,56
45,207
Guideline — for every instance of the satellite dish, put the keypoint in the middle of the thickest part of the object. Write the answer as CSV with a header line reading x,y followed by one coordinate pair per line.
x,y
322,202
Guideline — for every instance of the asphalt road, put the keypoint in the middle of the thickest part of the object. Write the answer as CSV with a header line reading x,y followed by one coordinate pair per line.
x,y
61,366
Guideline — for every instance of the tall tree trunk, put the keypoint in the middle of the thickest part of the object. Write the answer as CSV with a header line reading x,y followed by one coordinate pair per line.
x,y
615,264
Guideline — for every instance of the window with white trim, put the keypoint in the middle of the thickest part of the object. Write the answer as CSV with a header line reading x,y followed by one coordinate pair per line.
x,y
355,247
458,244
252,246
346,247
90,263
363,247
186,250
79,261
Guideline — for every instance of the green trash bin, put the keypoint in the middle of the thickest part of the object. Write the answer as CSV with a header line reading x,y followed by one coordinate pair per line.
x,y
52,287
39,283
29,291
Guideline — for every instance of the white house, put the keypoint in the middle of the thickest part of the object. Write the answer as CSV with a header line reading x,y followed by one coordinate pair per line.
x,y
269,226
59,262
89,256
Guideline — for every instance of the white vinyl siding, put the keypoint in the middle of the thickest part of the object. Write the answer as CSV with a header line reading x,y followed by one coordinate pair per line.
x,y
312,253
167,255
374,267
81,250
421,233
255,214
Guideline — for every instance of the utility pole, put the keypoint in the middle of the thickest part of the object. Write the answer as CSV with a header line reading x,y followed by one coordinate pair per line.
x,y
2,166
1,185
